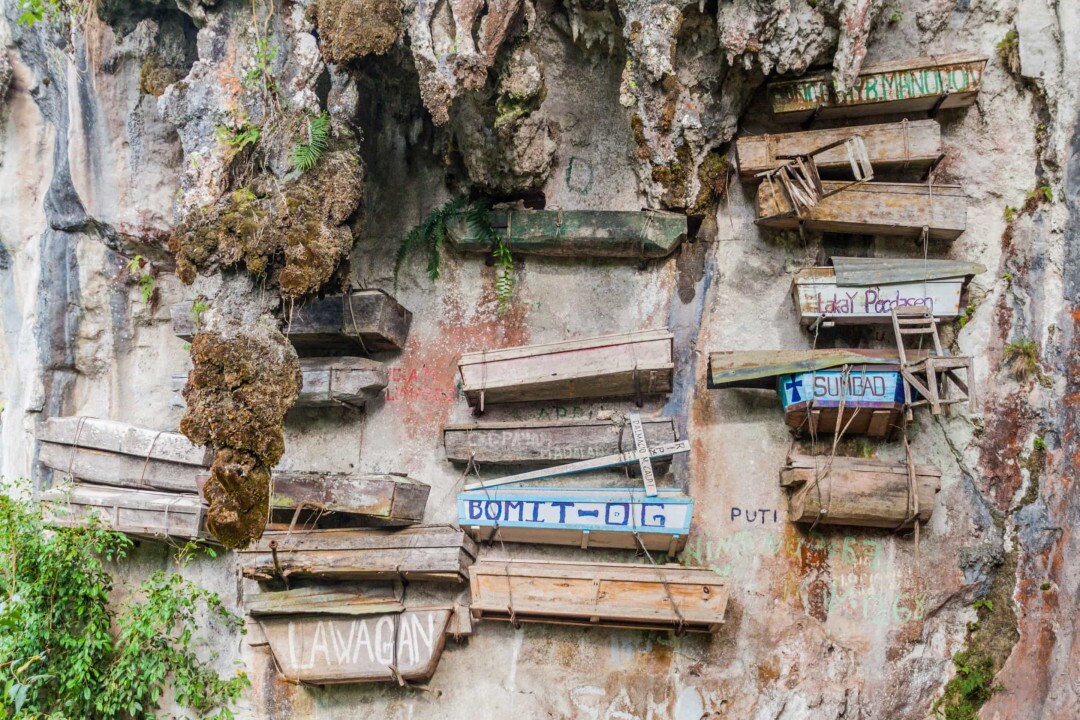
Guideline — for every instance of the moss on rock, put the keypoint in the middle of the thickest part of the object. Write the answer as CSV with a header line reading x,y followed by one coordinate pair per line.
x,y
351,29
155,76
713,174
239,495
296,236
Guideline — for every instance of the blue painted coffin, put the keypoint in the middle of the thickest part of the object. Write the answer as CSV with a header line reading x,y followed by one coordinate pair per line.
x,y
861,389
594,517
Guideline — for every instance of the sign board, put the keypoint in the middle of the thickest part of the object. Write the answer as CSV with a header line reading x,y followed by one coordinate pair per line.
x,y
874,303
606,517
860,388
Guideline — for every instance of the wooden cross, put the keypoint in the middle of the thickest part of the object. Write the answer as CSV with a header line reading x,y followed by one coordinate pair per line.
x,y
642,454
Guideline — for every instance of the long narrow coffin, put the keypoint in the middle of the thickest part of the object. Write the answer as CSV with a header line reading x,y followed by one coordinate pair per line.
x,y
624,365
143,513
889,146
872,398
383,499
358,323
587,518
857,491
867,290
649,597
432,552
577,233
548,442
335,649
115,453
328,382
904,86
873,208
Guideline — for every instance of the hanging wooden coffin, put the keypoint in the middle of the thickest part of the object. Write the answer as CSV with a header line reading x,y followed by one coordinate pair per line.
x,y
905,86
915,145
601,518
381,499
431,552
648,597
548,442
115,453
624,365
857,491
358,323
328,382
142,513
873,398
874,208
335,649
867,290
577,233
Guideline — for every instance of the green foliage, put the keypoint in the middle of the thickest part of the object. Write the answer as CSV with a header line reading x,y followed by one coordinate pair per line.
x,y
57,655
34,11
198,307
238,139
1039,444
1006,276
479,220
1010,213
314,140
145,279
260,76
1024,356
983,603
969,690
1008,45
969,312
896,17
1044,587
430,233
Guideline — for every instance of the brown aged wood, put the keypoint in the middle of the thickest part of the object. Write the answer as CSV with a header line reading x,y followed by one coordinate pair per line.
x,y
143,513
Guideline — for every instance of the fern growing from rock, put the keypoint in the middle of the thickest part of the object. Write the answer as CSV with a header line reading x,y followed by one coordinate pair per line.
x,y
315,139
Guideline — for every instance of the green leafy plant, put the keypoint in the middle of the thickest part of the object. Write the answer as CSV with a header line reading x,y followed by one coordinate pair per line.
x,y
198,307
1044,587
1006,276
1023,355
34,11
983,603
969,312
1039,444
58,657
143,272
238,139
429,233
969,690
260,75
478,218
315,136
1008,49
1010,213
896,17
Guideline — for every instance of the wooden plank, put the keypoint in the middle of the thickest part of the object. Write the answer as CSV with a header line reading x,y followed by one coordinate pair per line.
x,y
606,594
586,518
135,512
875,208
857,492
368,599
874,422
817,295
905,86
119,437
577,233
327,382
110,468
433,552
548,442
610,366
389,499
359,323
349,649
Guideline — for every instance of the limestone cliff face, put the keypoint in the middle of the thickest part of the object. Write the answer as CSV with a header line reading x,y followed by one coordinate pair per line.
x,y
116,134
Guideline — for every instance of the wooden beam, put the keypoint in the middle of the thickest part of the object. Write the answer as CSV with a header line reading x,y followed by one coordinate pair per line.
x,y
119,437
546,442
577,233
901,209
643,596
905,86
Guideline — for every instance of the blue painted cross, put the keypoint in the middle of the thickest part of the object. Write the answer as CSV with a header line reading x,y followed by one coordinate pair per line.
x,y
793,384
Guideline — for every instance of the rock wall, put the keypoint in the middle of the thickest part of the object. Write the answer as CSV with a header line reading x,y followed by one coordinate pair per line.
x,y
109,139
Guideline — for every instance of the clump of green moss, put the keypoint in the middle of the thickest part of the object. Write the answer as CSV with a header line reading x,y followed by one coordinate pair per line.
x,y
675,177
155,76
237,394
713,175
1023,355
351,29
296,235
1008,49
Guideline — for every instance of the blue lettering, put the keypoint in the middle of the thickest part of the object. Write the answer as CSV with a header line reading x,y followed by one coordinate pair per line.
x,y
475,513
658,514
562,509
498,509
511,505
620,518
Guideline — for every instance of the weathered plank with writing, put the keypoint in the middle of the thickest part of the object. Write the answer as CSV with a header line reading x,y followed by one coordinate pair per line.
x,y
649,597
915,145
327,382
332,649
577,233
904,86
873,399
867,290
601,518
142,513
357,323
546,442
874,208
624,365
858,491
431,552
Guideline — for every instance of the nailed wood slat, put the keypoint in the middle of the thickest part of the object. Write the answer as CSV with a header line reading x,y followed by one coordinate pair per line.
x,y
609,366
349,649
368,599
608,594
390,499
872,208
136,512
433,552
904,86
856,491
110,468
119,437
547,442
355,324
578,233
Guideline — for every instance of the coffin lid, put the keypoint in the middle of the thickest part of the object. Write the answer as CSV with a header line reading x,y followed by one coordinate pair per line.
x,y
857,271
757,368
